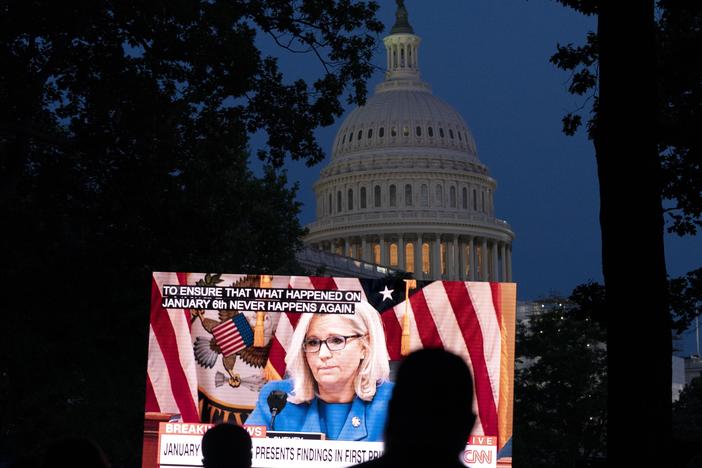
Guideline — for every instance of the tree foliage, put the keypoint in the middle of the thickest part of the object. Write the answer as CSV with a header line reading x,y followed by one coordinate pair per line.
x,y
687,411
678,75
685,299
645,111
561,382
561,377
124,150
687,424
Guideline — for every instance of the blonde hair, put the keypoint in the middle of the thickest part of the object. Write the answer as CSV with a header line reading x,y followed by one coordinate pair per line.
x,y
373,370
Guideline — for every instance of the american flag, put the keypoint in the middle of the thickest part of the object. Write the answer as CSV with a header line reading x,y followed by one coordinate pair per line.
x,y
233,335
475,320
171,379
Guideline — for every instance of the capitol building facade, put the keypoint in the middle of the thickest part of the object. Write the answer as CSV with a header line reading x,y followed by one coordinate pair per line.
x,y
405,188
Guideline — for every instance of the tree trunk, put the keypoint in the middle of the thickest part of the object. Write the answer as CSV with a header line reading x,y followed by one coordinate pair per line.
x,y
639,334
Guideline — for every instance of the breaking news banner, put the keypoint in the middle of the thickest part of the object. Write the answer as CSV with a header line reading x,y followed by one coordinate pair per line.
x,y
180,446
252,350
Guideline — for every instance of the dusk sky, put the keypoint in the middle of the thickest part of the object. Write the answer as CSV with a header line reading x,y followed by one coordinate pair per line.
x,y
489,60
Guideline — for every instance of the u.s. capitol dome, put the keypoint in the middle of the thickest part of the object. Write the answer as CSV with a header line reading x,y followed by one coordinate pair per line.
x,y
405,188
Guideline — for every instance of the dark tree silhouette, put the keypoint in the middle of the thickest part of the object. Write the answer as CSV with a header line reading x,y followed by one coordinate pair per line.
x,y
679,102
633,262
638,165
687,424
123,150
685,299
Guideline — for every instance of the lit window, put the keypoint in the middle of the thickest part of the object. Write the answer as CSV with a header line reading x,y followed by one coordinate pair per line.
x,y
393,131
409,257
405,131
376,253
425,258
393,255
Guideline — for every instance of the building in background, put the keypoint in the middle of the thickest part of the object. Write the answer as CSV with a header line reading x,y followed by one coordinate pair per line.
x,y
678,377
693,368
405,189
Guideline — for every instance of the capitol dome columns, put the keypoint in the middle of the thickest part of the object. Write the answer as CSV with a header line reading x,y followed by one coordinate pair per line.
x,y
483,260
463,257
402,47
418,263
503,260
401,251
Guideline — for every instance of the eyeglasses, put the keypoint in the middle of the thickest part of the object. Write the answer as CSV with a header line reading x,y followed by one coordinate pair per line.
x,y
333,342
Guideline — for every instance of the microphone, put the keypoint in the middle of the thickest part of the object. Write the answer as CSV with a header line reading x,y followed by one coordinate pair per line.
x,y
276,403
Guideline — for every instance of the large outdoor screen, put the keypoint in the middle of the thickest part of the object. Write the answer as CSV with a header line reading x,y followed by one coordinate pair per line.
x,y
307,364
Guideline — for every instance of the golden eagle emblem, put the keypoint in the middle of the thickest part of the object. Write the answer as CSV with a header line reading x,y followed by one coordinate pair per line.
x,y
207,351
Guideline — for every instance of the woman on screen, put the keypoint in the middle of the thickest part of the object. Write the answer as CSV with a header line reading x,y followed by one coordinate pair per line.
x,y
338,385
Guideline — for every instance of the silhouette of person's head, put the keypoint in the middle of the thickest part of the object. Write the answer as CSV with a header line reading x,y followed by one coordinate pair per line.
x,y
226,446
76,452
430,415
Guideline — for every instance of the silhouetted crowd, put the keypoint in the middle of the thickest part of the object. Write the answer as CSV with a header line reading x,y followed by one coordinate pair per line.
x,y
435,441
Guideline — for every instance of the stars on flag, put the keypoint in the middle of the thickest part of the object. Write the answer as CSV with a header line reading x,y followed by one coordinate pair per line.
x,y
387,293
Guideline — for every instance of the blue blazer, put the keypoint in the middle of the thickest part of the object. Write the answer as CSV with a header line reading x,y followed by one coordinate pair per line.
x,y
304,417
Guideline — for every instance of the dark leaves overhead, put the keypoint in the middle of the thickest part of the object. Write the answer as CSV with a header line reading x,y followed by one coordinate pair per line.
x,y
77,61
571,123
586,7
124,149
679,76
680,88
581,62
